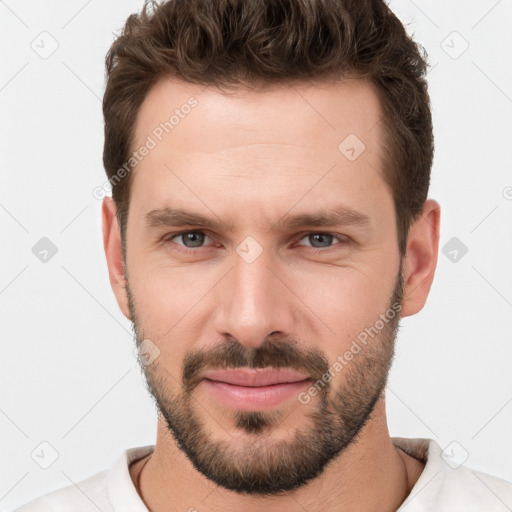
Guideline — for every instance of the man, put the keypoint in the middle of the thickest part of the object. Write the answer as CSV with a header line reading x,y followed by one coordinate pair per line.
x,y
268,227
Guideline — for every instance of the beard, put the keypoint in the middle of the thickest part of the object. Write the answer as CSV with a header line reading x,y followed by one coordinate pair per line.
x,y
261,465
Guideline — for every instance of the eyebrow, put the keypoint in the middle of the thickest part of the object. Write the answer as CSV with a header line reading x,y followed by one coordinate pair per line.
x,y
341,216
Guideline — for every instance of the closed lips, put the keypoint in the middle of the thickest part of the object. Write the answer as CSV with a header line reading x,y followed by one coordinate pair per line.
x,y
254,377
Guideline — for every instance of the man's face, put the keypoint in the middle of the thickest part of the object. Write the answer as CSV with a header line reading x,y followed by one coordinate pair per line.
x,y
255,290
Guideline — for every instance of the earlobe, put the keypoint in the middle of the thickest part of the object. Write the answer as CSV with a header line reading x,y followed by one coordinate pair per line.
x,y
114,254
421,258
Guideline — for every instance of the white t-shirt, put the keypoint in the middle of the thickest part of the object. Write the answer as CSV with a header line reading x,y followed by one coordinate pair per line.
x,y
443,486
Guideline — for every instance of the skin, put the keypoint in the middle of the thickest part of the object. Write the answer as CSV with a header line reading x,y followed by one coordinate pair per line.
x,y
248,159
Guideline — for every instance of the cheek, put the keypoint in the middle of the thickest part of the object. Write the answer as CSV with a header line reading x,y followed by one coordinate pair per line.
x,y
165,284
346,295
343,304
165,301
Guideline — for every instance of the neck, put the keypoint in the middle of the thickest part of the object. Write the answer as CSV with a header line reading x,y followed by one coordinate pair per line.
x,y
370,475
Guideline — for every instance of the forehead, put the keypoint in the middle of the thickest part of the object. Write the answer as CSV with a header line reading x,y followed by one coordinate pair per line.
x,y
286,114
270,144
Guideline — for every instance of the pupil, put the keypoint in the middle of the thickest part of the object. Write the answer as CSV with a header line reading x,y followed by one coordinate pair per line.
x,y
189,237
325,237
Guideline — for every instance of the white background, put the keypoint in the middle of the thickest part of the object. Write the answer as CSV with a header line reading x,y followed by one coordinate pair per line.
x,y
68,373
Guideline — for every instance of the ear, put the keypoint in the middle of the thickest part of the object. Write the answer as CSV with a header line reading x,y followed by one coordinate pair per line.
x,y
421,258
114,254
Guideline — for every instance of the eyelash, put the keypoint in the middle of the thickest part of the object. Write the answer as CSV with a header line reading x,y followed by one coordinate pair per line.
x,y
167,240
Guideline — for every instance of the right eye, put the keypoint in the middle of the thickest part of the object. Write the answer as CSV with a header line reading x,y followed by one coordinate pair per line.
x,y
194,238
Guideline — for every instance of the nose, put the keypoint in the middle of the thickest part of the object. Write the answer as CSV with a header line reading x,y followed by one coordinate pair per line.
x,y
254,301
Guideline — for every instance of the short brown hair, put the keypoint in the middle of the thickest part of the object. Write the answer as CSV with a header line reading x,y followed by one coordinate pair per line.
x,y
228,43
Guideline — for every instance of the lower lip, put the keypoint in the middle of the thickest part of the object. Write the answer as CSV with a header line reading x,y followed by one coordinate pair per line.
x,y
245,398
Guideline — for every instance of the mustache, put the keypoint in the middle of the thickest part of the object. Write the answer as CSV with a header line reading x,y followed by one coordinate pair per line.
x,y
272,353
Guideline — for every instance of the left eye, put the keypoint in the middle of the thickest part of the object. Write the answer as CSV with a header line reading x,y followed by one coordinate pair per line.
x,y
324,239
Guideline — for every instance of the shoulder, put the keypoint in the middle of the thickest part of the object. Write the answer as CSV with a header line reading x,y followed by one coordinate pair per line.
x,y
88,495
107,491
472,490
447,485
